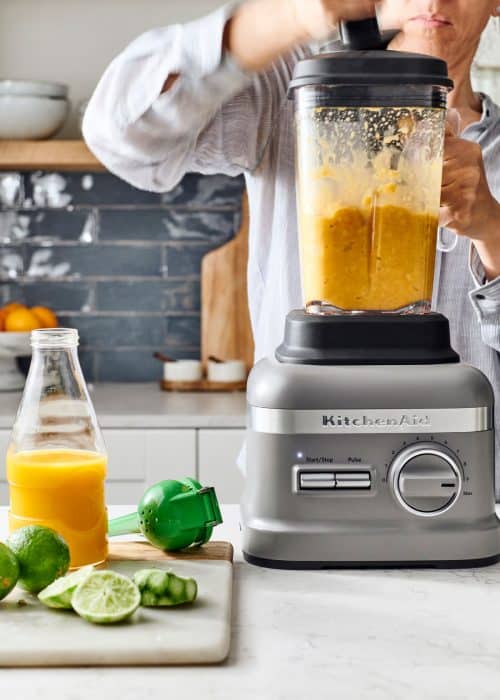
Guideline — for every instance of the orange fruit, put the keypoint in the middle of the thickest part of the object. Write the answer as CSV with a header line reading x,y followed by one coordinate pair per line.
x,y
12,306
46,317
21,321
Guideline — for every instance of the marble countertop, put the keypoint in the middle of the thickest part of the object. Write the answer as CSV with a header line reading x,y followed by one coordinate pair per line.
x,y
350,635
146,406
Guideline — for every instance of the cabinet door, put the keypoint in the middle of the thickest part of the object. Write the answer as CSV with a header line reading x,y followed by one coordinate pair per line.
x,y
218,451
4,491
170,454
139,458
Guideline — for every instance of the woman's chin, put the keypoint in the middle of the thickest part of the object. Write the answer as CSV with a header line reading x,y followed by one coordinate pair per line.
x,y
425,42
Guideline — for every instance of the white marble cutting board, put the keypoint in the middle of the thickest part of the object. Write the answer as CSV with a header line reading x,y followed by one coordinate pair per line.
x,y
33,635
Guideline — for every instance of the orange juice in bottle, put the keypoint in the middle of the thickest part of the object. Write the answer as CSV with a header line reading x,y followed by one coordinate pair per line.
x,y
56,460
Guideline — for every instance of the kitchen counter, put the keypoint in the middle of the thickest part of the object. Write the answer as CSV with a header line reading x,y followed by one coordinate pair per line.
x,y
145,406
349,635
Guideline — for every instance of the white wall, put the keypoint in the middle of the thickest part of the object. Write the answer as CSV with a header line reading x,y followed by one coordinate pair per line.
x,y
72,41
487,71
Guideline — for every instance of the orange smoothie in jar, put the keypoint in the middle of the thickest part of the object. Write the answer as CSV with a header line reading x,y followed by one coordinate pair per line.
x,y
62,489
375,259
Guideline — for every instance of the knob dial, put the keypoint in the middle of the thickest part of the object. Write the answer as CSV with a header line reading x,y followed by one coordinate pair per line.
x,y
426,479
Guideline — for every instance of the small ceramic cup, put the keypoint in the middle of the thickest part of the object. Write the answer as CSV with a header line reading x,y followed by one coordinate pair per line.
x,y
230,371
183,371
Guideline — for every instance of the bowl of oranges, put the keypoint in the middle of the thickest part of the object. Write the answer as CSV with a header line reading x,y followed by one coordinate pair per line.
x,y
16,323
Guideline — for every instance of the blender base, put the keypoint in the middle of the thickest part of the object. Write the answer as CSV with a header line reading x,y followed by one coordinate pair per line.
x,y
316,565
369,445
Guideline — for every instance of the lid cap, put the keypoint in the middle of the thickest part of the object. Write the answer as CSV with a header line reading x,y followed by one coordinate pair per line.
x,y
371,68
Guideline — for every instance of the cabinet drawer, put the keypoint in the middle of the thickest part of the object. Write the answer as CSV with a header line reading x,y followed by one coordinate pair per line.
x,y
137,459
124,493
4,443
150,455
218,451
4,490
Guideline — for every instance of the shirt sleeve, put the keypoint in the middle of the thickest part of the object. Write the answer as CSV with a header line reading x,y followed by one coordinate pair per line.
x,y
485,299
215,118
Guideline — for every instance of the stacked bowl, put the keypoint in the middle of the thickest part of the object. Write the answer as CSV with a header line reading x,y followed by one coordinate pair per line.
x,y
32,109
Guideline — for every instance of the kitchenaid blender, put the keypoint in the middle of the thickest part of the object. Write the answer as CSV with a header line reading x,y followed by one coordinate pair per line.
x,y
368,443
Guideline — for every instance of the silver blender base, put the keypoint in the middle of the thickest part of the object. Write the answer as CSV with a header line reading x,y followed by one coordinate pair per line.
x,y
356,464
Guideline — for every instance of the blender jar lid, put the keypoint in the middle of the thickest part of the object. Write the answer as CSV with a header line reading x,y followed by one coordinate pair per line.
x,y
371,68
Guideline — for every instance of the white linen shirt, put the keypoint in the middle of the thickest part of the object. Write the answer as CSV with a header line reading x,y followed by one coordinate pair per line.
x,y
218,119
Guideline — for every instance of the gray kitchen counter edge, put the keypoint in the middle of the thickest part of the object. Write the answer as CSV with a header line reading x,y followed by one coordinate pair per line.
x,y
124,405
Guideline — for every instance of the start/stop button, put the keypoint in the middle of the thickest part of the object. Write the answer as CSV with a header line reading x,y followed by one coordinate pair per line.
x,y
317,480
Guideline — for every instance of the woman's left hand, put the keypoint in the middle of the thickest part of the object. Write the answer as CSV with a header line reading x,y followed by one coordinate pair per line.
x,y
467,204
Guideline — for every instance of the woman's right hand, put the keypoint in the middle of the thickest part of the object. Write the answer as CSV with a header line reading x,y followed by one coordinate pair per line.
x,y
262,30
319,18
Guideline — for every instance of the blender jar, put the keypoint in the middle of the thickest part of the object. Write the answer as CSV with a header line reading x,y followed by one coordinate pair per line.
x,y
370,133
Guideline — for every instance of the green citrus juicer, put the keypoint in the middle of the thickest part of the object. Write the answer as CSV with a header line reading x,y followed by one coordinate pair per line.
x,y
172,515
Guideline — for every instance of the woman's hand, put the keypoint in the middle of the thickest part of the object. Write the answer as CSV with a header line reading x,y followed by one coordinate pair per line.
x,y
261,31
467,204
318,18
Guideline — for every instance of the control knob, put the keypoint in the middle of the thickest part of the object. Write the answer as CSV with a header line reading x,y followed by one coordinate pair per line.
x,y
426,479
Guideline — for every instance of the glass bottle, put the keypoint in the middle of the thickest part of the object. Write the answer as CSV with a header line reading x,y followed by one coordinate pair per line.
x,y
56,459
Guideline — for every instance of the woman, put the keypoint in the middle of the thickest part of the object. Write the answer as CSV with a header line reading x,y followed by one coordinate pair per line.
x,y
210,97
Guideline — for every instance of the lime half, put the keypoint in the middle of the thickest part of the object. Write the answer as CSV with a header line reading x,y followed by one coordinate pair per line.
x,y
105,597
9,570
60,593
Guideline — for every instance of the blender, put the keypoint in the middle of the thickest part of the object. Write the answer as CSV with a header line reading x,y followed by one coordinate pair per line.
x,y
368,442
370,133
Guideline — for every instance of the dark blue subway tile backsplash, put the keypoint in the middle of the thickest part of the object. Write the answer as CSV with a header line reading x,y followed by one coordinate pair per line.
x,y
60,296
133,365
99,260
119,264
183,330
148,295
185,260
166,225
125,331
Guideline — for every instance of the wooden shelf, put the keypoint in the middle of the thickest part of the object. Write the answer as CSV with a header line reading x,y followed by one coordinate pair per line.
x,y
47,155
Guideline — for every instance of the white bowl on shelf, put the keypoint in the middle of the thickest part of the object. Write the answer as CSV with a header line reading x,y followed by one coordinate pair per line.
x,y
32,109
229,371
12,345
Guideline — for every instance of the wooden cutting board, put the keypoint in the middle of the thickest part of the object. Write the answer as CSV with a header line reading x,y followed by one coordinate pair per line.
x,y
225,321
33,635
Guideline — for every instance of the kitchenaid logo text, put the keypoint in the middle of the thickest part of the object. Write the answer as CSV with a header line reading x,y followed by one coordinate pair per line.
x,y
365,421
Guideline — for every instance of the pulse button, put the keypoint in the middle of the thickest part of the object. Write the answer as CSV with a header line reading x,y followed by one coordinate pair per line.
x,y
353,480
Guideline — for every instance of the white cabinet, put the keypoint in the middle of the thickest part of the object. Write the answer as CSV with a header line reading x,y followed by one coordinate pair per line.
x,y
218,450
139,458
4,442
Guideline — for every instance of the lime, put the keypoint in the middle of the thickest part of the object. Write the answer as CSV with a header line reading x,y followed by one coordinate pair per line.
x,y
105,597
164,588
59,593
42,555
9,570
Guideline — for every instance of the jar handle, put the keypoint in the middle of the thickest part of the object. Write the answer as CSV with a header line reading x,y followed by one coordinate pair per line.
x,y
442,246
